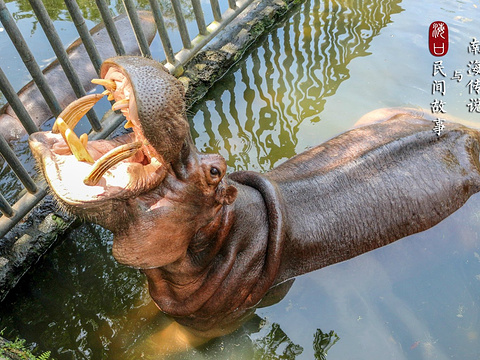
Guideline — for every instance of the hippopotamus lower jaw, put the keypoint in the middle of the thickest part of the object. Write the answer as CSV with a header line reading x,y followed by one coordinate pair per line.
x,y
67,176
136,185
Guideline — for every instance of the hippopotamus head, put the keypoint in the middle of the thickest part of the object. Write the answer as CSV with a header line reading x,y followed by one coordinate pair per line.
x,y
157,198
210,256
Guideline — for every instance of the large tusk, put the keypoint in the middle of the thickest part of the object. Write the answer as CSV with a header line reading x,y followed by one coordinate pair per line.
x,y
120,104
84,139
74,143
75,110
110,159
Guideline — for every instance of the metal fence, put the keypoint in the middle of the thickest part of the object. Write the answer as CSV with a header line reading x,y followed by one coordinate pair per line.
x,y
13,213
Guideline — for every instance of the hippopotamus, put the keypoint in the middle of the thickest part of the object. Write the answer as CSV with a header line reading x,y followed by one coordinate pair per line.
x,y
212,244
32,99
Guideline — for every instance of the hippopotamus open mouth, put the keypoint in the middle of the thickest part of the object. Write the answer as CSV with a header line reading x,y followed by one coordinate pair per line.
x,y
212,246
129,165
111,181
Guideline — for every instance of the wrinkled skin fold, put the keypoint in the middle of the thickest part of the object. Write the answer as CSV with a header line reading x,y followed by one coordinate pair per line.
x,y
212,245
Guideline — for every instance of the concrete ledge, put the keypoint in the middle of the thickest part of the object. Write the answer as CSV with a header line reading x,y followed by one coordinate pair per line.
x,y
212,63
27,242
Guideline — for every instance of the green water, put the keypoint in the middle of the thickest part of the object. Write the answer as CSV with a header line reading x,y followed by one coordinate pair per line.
x,y
308,80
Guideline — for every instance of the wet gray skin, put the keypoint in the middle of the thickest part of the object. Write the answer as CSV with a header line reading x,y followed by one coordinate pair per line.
x,y
212,246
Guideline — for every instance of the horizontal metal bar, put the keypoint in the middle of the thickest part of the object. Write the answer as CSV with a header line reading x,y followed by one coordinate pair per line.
x,y
198,11
21,208
137,28
16,166
110,26
82,29
62,56
17,106
28,59
182,26
5,207
199,42
162,31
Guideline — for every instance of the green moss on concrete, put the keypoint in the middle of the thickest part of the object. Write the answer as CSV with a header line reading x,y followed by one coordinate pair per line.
x,y
17,350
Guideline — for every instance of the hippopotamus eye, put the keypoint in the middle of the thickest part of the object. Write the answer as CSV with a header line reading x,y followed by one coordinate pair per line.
x,y
214,171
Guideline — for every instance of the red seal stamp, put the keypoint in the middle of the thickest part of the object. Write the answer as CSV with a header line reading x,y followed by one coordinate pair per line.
x,y
438,38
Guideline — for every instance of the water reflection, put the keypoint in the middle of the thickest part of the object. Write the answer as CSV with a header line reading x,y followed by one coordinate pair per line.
x,y
253,116
57,10
414,299
10,187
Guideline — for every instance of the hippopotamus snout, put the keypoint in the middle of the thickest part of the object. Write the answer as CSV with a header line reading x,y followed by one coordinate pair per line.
x,y
212,245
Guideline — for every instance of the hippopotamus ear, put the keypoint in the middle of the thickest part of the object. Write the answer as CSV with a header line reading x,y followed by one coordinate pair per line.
x,y
226,195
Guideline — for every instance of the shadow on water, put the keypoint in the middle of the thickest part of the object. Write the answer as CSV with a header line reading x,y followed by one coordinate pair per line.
x,y
413,299
81,304
252,116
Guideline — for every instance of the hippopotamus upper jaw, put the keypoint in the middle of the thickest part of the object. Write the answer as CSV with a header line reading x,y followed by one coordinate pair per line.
x,y
156,106
142,198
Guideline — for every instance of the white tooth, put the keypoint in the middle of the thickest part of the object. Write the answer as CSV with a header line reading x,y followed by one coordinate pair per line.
x,y
120,104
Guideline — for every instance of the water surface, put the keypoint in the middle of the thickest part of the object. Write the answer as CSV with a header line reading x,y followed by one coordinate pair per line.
x,y
308,80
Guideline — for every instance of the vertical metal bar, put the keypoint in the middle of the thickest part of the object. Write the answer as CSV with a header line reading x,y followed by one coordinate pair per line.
x,y
62,56
137,28
198,11
217,15
28,59
110,26
184,55
16,166
232,4
82,29
16,104
5,207
162,31
182,26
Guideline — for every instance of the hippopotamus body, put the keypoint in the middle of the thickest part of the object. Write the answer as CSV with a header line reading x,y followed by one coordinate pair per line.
x,y
31,97
212,245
